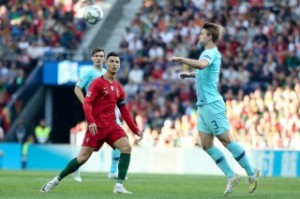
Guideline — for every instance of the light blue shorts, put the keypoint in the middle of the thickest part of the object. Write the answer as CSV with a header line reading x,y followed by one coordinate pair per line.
x,y
212,118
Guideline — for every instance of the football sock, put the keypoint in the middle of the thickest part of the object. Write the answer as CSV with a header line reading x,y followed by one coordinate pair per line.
x,y
240,155
72,166
219,158
115,160
123,167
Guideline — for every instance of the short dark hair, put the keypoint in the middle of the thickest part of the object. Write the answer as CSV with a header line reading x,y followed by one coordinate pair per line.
x,y
98,50
112,54
213,30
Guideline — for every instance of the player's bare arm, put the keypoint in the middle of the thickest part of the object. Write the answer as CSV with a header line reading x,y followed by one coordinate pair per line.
x,y
187,74
79,93
197,64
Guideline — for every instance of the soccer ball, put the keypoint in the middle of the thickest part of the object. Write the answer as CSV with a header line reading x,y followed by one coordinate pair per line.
x,y
93,14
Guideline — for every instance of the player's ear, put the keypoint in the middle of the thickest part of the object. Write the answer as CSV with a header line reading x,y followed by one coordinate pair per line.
x,y
210,37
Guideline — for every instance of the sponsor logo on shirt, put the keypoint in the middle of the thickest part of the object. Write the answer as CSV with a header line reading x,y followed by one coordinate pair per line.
x,y
207,57
112,88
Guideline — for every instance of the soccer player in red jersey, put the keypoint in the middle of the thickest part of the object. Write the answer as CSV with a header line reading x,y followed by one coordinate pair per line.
x,y
99,108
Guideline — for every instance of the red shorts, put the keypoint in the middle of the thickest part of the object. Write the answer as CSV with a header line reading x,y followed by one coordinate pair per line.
x,y
108,135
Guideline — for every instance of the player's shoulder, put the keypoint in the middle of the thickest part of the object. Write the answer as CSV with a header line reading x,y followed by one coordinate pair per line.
x,y
211,53
119,85
98,80
87,73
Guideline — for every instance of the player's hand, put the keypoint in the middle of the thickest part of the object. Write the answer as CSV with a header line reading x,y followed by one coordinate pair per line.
x,y
175,59
140,135
93,129
184,75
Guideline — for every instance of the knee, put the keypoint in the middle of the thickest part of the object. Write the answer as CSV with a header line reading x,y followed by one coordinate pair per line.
x,y
82,159
225,142
205,147
125,148
207,144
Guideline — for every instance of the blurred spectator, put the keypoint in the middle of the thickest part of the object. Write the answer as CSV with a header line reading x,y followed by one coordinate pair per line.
x,y
136,74
42,132
258,56
20,132
31,31
260,75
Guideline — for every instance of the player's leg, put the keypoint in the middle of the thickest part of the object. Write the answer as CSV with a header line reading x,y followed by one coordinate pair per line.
x,y
216,154
118,139
240,156
84,154
212,120
72,166
220,125
207,141
113,173
125,148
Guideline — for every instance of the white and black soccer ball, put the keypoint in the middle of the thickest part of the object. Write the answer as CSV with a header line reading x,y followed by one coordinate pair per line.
x,y
93,14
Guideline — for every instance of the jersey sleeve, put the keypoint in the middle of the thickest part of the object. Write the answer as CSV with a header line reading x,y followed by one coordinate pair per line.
x,y
83,81
122,96
208,55
125,112
89,100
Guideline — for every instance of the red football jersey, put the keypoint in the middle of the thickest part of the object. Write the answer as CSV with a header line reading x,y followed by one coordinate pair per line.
x,y
100,103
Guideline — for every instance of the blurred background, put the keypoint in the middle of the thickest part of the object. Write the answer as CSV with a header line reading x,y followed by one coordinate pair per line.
x,y
46,45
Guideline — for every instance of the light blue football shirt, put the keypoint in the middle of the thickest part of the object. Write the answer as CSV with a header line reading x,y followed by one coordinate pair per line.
x,y
207,79
87,78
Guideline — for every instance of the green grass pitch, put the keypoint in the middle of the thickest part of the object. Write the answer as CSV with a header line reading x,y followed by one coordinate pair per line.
x,y
27,184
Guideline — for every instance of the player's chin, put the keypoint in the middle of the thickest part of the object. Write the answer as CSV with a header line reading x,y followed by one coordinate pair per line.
x,y
114,70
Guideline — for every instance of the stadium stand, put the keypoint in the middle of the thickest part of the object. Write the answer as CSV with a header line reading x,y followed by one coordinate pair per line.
x,y
259,78
30,32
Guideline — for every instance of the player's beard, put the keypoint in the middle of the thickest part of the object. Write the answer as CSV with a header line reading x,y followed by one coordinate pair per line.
x,y
201,44
113,72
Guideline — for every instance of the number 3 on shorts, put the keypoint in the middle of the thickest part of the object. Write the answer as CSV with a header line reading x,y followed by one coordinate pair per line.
x,y
215,124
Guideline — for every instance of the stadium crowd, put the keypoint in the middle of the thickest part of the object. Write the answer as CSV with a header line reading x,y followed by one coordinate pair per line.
x,y
260,76
30,30
259,79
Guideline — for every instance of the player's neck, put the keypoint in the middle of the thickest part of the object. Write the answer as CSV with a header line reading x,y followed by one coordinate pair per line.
x,y
210,45
109,77
98,68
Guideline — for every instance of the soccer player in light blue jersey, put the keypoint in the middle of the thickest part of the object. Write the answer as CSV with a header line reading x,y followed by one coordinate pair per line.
x,y
212,119
98,58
